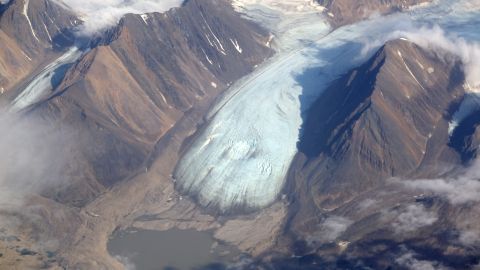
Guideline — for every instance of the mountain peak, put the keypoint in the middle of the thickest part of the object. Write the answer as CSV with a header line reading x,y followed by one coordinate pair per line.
x,y
380,119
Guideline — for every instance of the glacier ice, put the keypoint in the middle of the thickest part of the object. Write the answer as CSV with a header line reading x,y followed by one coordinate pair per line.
x,y
242,156
41,84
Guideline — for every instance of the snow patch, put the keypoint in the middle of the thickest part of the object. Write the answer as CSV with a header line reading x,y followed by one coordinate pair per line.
x,y
235,44
26,56
409,71
206,57
145,18
269,41
220,45
420,64
48,33
25,13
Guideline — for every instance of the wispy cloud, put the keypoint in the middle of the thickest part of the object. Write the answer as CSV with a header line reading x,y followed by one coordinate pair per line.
x,y
330,229
460,189
437,40
99,15
32,156
409,261
412,218
469,237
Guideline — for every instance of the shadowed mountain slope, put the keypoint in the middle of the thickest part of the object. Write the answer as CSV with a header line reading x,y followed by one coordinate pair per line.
x,y
386,118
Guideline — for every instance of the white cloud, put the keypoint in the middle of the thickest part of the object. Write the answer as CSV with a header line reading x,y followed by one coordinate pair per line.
x,y
32,156
409,261
99,15
461,189
330,229
366,204
435,39
469,237
413,218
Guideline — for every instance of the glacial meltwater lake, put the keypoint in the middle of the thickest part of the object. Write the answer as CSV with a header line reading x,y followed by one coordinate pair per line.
x,y
172,249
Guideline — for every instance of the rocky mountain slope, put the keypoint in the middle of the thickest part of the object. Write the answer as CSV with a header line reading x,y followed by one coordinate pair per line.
x,y
127,94
138,96
386,119
343,12
392,126
143,83
32,32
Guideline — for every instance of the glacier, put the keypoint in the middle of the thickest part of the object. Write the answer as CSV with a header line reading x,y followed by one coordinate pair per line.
x,y
42,84
241,158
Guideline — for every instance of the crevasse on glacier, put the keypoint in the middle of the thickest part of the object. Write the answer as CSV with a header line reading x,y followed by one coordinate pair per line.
x,y
242,156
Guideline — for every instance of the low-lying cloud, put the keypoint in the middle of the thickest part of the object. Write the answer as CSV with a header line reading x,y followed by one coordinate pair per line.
x,y
412,218
99,15
32,156
409,261
460,189
469,237
330,229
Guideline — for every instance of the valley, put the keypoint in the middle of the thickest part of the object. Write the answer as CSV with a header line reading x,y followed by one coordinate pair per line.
x,y
296,134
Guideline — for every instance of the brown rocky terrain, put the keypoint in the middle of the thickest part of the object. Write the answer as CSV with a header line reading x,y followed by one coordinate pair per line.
x,y
30,33
125,96
386,119
393,127
133,100
139,96
342,12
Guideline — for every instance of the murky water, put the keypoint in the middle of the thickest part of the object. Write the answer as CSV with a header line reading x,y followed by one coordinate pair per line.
x,y
172,249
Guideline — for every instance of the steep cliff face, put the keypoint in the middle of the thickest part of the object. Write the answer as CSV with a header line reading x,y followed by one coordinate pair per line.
x,y
386,118
343,12
31,31
127,94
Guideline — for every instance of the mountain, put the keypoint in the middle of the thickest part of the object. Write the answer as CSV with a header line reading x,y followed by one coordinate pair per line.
x,y
387,119
33,32
142,83
380,120
378,181
152,69
342,12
